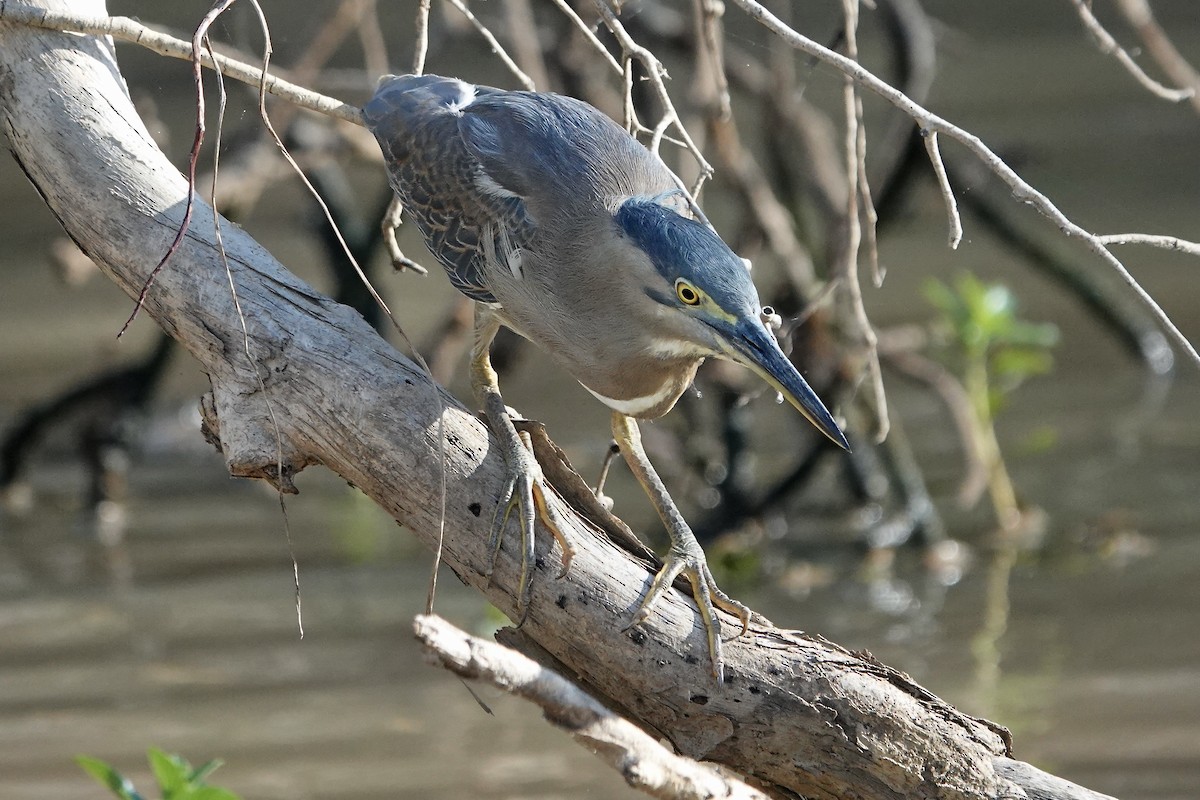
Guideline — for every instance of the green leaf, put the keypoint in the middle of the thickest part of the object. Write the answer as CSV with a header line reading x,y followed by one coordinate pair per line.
x,y
212,793
1031,334
108,777
940,296
1014,364
1041,439
171,772
203,771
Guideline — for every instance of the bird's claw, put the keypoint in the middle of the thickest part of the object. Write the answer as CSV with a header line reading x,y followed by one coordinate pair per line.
x,y
687,559
525,493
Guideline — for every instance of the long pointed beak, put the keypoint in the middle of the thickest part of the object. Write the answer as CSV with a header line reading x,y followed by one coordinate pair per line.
x,y
750,343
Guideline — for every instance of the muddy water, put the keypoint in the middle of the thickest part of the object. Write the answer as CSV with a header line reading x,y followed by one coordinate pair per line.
x,y
185,637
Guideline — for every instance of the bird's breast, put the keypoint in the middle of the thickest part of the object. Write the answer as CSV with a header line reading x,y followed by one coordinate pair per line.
x,y
642,388
609,337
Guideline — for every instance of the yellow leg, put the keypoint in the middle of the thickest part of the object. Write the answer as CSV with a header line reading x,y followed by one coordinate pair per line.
x,y
685,557
525,491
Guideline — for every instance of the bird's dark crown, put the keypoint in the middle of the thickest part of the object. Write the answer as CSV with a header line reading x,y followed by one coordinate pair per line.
x,y
680,247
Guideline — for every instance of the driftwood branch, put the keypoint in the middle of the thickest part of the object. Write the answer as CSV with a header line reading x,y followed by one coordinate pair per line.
x,y
644,763
307,381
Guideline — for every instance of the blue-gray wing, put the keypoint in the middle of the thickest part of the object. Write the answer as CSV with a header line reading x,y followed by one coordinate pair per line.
x,y
465,217
557,152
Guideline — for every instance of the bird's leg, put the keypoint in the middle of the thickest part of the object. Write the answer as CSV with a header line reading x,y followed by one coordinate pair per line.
x,y
525,489
685,557
610,455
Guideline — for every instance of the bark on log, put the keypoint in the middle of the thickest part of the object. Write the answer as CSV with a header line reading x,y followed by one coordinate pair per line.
x,y
796,714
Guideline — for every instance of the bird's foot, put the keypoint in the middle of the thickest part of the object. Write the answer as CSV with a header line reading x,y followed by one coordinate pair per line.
x,y
525,494
687,558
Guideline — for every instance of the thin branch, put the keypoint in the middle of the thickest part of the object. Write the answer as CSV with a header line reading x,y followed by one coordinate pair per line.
x,y
590,35
1021,190
197,50
494,43
943,180
437,401
906,360
1109,47
711,39
1165,242
422,37
370,36
644,763
128,30
1138,14
657,73
631,121
390,222
866,202
523,34
348,15
853,113
281,486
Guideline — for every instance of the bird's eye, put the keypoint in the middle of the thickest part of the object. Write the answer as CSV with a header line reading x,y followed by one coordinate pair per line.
x,y
687,293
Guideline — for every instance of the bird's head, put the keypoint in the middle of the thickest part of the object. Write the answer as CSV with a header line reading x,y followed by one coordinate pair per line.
x,y
709,286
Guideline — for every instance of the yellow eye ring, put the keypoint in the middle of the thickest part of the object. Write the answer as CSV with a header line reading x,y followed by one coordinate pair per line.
x,y
687,294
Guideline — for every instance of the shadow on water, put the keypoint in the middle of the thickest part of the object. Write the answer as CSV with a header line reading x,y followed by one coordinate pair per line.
x,y
184,636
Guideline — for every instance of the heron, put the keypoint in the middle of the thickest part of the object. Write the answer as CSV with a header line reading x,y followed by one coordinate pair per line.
x,y
561,226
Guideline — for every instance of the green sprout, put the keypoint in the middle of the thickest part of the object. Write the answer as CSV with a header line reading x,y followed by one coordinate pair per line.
x,y
993,352
177,780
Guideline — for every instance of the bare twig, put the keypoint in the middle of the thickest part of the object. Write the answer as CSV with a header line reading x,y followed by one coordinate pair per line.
x,y
943,180
494,43
945,385
644,763
390,222
1165,242
767,212
375,296
1141,18
657,74
198,49
866,203
370,35
392,217
346,17
422,37
711,40
853,113
589,34
1021,189
128,30
523,34
1109,47
251,362
630,116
